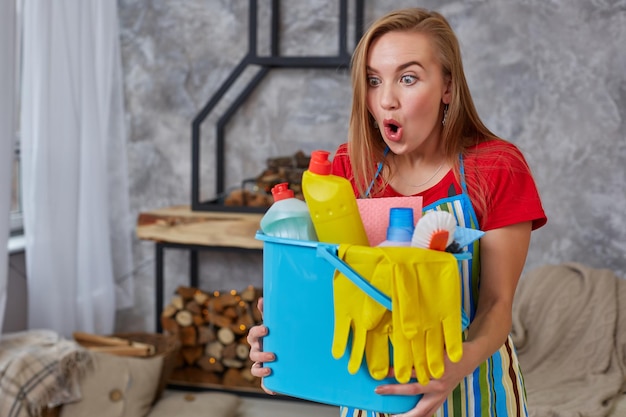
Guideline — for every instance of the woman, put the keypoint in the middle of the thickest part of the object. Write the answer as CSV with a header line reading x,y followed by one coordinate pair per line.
x,y
414,130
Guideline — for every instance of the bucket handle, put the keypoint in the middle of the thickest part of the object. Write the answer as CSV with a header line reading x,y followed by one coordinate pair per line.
x,y
329,253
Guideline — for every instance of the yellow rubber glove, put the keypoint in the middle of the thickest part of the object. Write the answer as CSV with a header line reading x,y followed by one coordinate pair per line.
x,y
377,348
426,299
356,311
378,338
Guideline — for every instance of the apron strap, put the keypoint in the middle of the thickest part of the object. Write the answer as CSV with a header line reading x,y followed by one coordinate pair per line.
x,y
462,172
378,169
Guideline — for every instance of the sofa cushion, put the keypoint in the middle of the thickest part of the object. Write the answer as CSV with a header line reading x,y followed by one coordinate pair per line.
x,y
117,386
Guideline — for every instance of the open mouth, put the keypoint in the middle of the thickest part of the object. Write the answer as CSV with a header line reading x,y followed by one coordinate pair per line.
x,y
393,130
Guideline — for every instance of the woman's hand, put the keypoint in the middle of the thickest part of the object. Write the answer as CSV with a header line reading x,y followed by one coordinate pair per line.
x,y
434,394
255,339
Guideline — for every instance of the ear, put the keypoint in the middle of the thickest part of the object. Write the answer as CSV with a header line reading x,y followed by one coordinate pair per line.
x,y
446,96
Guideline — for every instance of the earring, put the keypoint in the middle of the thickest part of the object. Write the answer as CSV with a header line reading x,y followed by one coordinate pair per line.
x,y
375,125
445,114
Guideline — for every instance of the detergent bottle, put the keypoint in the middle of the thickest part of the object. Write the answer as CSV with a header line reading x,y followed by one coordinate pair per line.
x,y
401,227
332,204
288,217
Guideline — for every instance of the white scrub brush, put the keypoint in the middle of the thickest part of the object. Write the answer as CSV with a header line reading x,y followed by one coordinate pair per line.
x,y
435,230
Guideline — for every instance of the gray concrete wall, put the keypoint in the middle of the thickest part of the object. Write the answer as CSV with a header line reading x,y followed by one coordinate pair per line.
x,y
548,76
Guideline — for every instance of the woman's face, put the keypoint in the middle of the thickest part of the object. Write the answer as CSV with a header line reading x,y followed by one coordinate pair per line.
x,y
406,91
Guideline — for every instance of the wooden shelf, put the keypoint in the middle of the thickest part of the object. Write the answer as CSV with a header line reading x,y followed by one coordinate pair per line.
x,y
181,225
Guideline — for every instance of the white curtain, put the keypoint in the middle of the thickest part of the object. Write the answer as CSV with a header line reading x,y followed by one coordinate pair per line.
x,y
7,137
75,189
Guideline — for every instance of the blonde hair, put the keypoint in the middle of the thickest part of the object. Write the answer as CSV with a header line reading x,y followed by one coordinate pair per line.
x,y
463,126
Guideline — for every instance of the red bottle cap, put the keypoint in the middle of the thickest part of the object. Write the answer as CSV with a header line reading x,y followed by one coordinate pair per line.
x,y
319,163
281,191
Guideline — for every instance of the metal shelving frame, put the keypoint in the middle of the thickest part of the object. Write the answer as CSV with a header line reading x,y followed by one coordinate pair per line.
x,y
266,64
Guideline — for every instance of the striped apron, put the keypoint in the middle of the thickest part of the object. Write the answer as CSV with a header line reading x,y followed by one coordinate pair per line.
x,y
496,387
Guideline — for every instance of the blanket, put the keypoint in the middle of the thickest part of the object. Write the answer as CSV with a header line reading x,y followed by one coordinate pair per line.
x,y
569,327
38,369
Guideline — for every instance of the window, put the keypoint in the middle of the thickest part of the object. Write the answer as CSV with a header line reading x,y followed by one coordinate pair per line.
x,y
16,192
16,198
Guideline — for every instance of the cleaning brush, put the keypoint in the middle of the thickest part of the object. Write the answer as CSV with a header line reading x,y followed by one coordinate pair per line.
x,y
434,230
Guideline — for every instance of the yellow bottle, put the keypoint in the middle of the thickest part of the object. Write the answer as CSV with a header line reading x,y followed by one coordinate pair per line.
x,y
332,204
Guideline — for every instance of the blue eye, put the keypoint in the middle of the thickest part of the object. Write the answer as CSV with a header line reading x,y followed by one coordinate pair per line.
x,y
408,79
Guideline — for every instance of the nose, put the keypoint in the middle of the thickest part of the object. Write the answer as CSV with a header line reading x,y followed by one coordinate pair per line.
x,y
388,97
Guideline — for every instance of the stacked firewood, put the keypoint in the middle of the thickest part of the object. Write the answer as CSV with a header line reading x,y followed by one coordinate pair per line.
x,y
280,169
212,329
287,169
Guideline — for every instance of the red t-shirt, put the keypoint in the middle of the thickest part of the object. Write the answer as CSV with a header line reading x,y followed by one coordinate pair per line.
x,y
512,191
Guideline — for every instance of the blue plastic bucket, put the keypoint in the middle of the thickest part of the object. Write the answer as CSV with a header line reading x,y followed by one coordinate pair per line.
x,y
299,314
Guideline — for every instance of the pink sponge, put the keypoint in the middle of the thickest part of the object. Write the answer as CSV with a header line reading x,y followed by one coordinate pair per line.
x,y
375,214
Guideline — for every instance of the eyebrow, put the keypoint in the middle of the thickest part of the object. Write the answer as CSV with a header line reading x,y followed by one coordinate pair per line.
x,y
400,67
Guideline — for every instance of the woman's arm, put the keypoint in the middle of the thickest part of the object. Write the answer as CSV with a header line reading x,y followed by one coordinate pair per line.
x,y
503,253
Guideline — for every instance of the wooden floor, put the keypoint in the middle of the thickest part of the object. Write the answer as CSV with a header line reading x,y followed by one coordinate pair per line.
x,y
257,406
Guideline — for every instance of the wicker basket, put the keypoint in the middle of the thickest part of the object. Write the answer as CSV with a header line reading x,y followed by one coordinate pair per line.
x,y
165,345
